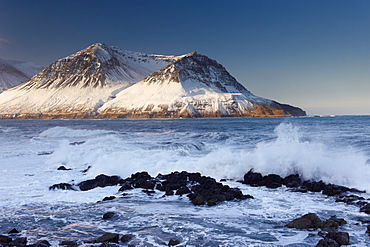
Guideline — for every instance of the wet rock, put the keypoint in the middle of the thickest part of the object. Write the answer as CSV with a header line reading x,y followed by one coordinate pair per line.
x,y
100,181
173,242
350,199
342,238
126,238
19,242
332,224
69,243
365,209
62,186
327,242
63,168
313,186
108,238
108,215
307,221
76,143
334,190
109,198
5,239
292,181
272,181
86,170
252,178
183,190
13,231
196,199
149,192
368,229
41,243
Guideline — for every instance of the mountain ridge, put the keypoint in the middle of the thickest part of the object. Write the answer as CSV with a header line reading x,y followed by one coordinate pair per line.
x,y
102,81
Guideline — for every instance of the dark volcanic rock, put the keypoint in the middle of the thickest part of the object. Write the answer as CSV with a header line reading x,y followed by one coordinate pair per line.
x,y
332,224
365,209
313,186
5,239
108,237
327,242
271,181
19,242
342,238
334,190
68,243
252,178
13,231
173,242
62,186
109,198
292,181
63,168
42,243
100,181
307,221
108,215
126,237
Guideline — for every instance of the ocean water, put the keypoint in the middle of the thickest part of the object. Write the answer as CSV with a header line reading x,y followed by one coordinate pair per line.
x,y
332,149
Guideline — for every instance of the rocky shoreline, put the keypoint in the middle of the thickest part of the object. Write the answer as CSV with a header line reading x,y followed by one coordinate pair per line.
x,y
203,190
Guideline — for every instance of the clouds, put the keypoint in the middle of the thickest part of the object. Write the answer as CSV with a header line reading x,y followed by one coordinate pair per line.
x,y
3,41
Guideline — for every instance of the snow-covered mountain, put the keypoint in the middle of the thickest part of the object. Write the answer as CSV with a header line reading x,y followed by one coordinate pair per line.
x,y
76,86
13,73
103,81
193,86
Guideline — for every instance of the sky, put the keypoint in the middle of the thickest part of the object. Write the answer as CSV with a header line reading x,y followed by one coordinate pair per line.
x,y
312,54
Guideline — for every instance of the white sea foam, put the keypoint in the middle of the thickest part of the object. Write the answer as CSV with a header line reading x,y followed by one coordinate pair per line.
x,y
64,132
289,153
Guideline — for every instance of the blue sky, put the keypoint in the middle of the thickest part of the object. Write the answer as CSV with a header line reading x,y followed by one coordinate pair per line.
x,y
311,54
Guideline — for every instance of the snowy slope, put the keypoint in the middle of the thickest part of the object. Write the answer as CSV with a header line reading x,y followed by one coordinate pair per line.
x,y
76,86
13,73
193,86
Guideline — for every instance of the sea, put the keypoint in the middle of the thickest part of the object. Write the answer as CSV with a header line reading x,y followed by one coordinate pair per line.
x,y
334,149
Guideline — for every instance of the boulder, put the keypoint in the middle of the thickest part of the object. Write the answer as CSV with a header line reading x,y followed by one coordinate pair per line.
x,y
108,215
334,190
109,198
327,242
13,231
272,181
69,243
62,186
100,181
365,209
173,242
292,181
313,186
342,238
126,237
108,238
252,178
5,239
63,168
307,221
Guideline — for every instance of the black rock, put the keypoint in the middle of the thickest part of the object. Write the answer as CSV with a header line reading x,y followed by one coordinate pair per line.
x,y
108,238
5,239
342,238
63,168
252,178
13,231
42,243
62,186
18,242
108,215
327,242
292,181
334,190
307,221
68,243
313,186
173,242
365,209
100,181
271,181
109,198
126,237
183,190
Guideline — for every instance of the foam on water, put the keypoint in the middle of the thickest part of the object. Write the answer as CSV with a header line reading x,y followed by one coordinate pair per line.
x,y
290,152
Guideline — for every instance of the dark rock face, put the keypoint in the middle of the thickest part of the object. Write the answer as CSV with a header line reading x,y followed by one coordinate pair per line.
x,y
100,181
108,238
307,221
173,242
62,186
63,168
108,215
5,239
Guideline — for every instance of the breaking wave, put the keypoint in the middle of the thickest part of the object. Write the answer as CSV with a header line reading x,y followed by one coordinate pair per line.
x,y
289,152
